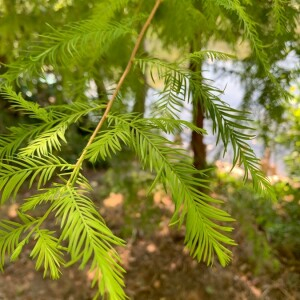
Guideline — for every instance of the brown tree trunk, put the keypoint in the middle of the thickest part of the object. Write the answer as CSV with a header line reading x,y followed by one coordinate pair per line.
x,y
140,89
197,141
140,94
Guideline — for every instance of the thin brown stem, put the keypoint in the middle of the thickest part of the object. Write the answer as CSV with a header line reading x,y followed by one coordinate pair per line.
x,y
114,96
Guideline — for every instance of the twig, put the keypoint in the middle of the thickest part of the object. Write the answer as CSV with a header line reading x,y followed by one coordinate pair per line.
x,y
114,96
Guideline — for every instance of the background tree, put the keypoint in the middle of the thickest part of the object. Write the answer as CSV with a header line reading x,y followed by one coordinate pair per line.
x,y
273,24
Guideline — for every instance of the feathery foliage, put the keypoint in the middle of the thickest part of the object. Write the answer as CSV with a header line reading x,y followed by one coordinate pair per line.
x,y
30,152
46,142
20,104
14,172
48,253
229,124
10,234
174,170
248,26
231,127
47,135
89,240
72,44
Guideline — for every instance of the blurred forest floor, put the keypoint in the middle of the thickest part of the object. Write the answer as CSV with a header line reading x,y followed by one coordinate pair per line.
x,y
157,264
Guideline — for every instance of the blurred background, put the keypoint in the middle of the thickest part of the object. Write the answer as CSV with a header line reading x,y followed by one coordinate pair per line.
x,y
266,261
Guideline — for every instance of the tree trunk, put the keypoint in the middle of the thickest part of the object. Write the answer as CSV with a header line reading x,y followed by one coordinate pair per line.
x,y
197,141
140,89
140,94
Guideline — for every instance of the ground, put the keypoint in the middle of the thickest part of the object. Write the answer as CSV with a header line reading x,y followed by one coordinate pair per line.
x,y
158,267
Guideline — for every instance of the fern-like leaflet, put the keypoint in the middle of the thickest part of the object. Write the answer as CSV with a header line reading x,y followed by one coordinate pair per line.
x,y
174,169
48,253
10,235
228,123
90,240
43,137
14,172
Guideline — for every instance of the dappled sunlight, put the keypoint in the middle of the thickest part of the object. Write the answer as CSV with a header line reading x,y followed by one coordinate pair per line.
x,y
226,168
114,200
162,200
13,210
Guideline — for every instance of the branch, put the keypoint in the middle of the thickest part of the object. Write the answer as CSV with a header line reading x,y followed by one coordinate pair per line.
x,y
114,96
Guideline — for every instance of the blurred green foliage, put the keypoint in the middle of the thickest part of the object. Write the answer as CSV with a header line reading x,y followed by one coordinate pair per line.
x,y
126,177
271,229
288,134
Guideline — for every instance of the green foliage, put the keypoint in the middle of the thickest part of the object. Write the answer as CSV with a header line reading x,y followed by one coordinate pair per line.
x,y
276,25
279,15
288,135
68,46
175,171
32,152
44,136
89,240
33,110
10,233
229,124
48,253
14,172
248,26
271,229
